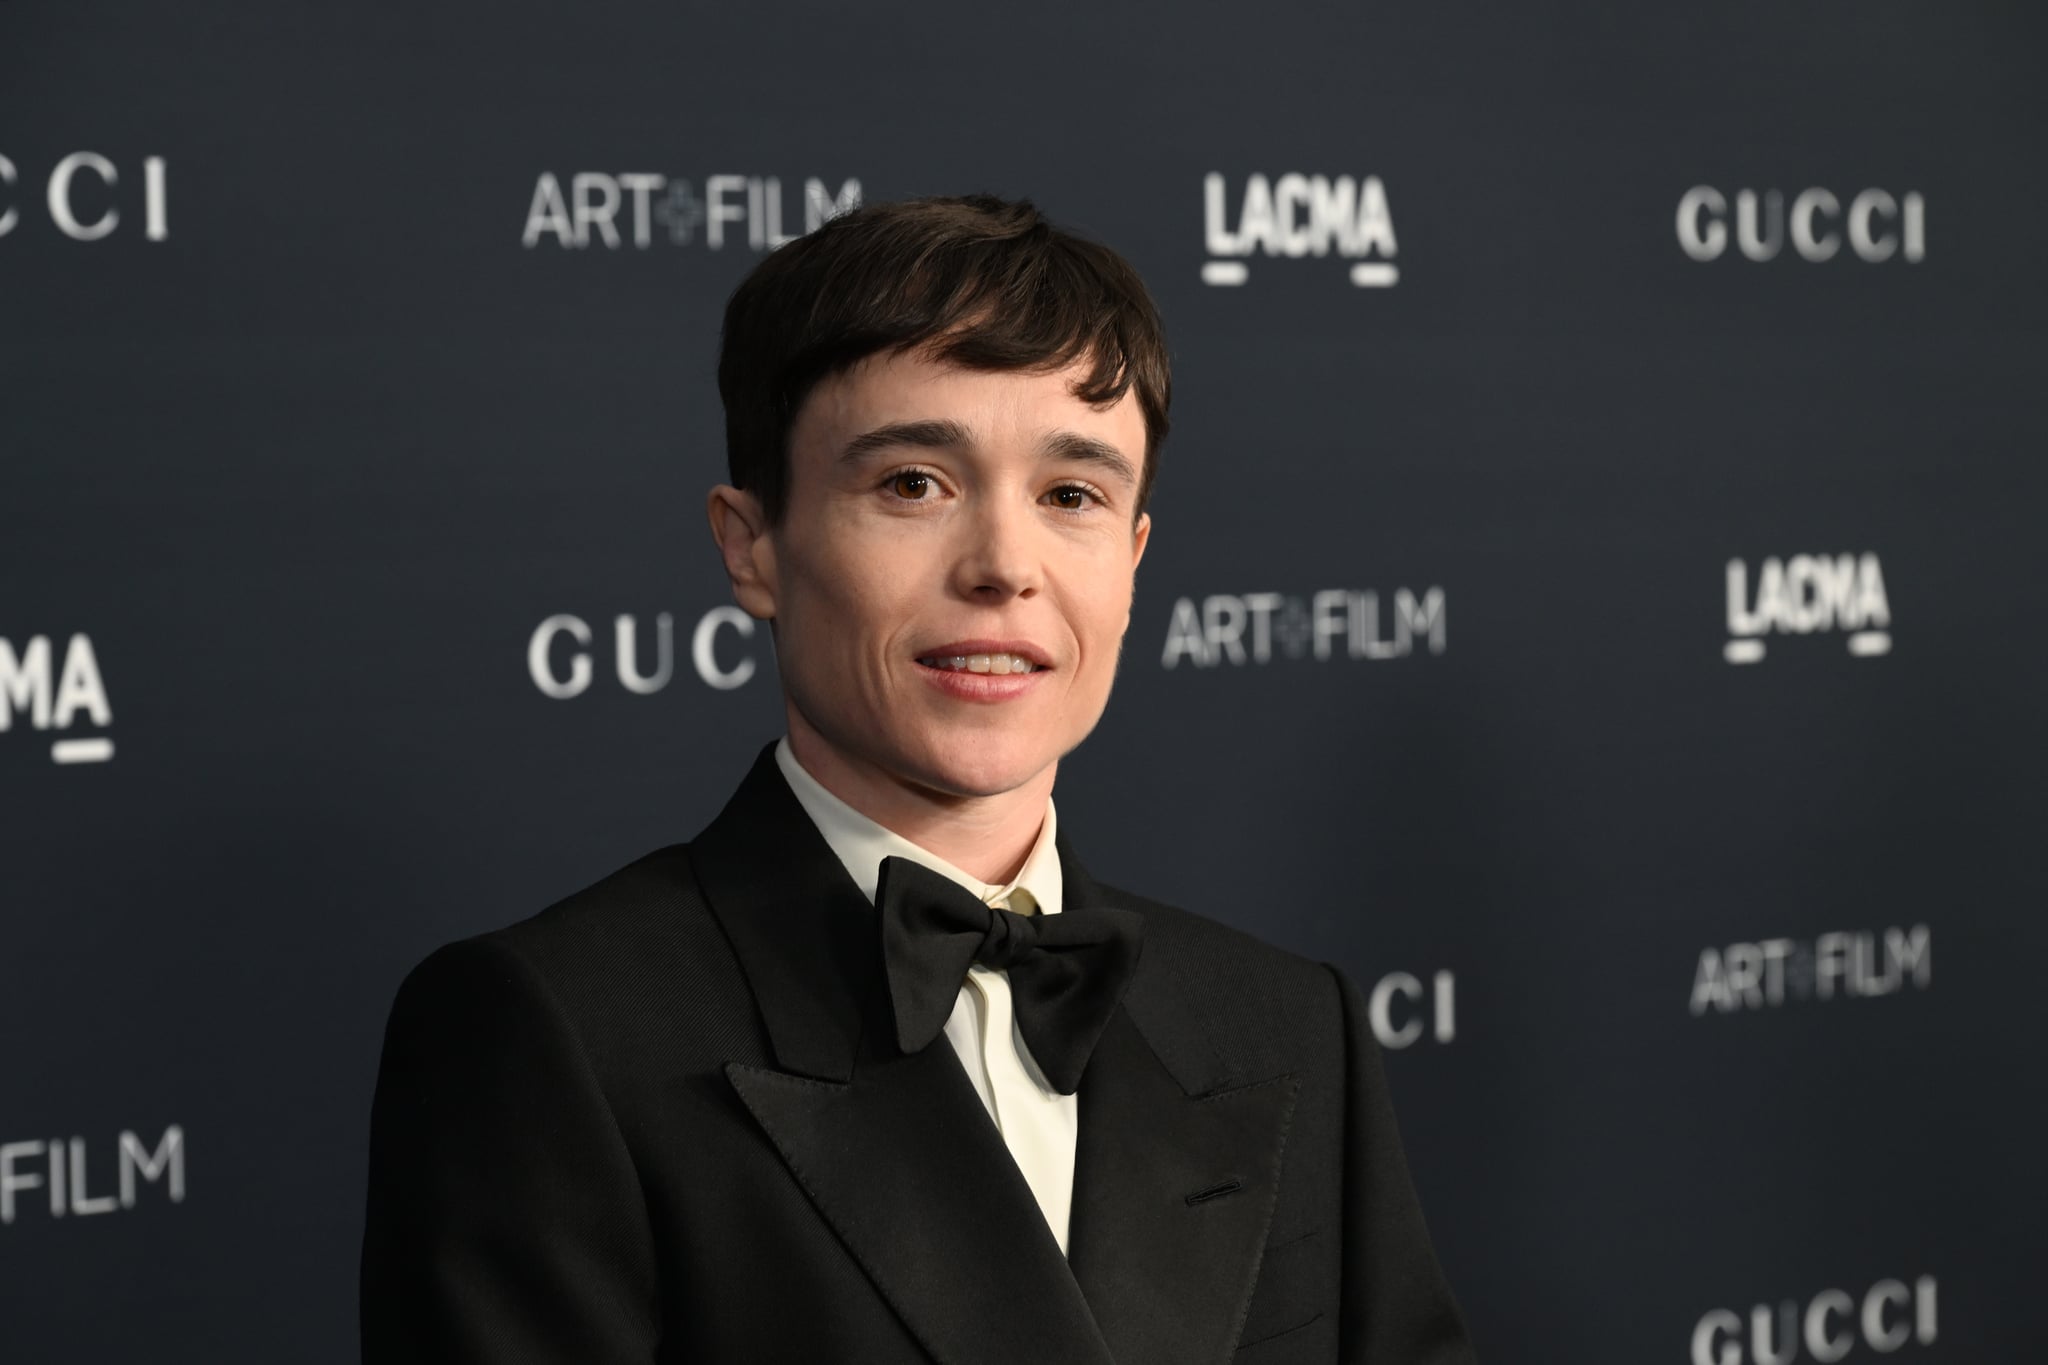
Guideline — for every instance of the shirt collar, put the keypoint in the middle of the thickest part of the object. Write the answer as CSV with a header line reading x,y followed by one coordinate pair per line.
x,y
861,844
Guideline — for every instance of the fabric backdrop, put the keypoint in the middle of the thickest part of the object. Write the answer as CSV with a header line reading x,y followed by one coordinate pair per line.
x,y
1589,598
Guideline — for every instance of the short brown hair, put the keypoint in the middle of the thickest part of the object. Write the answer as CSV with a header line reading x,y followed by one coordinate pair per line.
x,y
984,283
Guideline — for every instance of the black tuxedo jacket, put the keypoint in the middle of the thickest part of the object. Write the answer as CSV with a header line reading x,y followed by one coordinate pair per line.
x,y
666,1120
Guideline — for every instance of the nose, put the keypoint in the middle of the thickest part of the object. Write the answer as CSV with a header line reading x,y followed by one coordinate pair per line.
x,y
999,556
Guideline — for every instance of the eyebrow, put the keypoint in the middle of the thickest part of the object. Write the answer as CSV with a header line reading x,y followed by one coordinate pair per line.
x,y
1071,445
936,434
943,434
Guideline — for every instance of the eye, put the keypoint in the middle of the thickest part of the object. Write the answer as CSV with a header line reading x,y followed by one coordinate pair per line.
x,y
912,485
1073,497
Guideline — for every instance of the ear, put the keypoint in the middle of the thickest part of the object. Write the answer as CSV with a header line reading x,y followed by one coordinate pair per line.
x,y
745,542
1141,536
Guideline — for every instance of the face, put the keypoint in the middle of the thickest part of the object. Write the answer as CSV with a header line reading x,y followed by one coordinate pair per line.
x,y
952,577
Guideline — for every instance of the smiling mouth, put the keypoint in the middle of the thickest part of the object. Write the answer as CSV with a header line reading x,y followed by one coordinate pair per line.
x,y
980,663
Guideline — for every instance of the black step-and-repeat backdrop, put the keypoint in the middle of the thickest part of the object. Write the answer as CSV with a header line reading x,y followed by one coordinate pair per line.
x,y
1593,600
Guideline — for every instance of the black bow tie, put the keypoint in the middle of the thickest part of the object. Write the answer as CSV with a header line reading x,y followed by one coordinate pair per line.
x,y
1067,971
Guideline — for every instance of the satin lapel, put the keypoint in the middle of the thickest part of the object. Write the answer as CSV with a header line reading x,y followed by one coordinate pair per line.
x,y
1176,1172
896,1152
905,1165
805,936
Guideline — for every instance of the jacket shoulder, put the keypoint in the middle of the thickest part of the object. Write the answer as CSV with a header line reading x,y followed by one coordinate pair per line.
x,y
635,909
1264,1006
634,960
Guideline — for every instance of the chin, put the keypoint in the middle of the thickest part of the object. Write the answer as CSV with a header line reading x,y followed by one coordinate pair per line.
x,y
977,765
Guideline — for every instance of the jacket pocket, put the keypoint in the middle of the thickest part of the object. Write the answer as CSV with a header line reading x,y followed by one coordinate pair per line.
x,y
1291,1292
1271,1347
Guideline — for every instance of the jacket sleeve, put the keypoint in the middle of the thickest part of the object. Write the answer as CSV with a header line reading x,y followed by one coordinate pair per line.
x,y
505,1221
1395,1306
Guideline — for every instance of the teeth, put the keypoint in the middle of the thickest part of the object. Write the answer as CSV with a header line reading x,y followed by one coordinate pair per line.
x,y
980,663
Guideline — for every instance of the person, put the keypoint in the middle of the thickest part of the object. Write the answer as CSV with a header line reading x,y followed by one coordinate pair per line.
x,y
872,1069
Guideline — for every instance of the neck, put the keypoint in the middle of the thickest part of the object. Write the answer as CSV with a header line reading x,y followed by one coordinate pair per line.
x,y
985,836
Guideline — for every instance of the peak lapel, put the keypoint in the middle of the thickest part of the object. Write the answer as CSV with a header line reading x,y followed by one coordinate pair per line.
x,y
805,936
905,1165
1176,1173
896,1152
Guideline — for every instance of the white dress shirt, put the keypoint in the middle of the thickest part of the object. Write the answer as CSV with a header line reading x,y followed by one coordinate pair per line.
x,y
1038,1123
